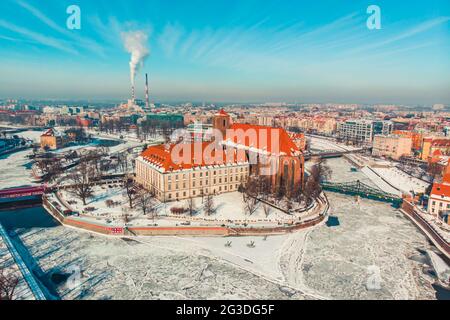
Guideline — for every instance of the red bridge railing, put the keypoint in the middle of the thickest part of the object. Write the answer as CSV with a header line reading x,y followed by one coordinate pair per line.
x,y
22,192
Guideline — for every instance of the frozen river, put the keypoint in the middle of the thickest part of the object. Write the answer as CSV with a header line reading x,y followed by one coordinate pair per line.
x,y
370,251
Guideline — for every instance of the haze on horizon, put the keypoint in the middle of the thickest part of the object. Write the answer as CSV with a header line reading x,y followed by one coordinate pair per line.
x,y
238,50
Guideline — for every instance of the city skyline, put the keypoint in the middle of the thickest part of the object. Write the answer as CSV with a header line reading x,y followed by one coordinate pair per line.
x,y
229,51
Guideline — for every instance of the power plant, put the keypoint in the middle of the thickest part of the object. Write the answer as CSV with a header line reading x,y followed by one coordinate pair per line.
x,y
146,92
133,96
135,104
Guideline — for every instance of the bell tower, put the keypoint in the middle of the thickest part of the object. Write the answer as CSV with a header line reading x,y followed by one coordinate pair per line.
x,y
221,122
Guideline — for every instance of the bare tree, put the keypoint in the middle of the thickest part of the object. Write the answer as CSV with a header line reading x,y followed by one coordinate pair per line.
x,y
250,204
130,189
262,186
250,192
289,189
122,161
289,205
280,191
146,201
252,186
202,194
94,157
311,190
81,179
267,209
8,285
51,167
191,206
299,195
209,205
321,172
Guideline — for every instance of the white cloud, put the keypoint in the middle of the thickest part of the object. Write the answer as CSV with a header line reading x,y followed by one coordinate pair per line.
x,y
82,42
42,39
170,37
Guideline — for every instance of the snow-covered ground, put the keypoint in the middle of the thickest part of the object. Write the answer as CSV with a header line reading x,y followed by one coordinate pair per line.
x,y
326,262
127,136
15,170
34,135
229,208
125,146
401,180
16,167
380,183
159,267
372,239
341,172
327,144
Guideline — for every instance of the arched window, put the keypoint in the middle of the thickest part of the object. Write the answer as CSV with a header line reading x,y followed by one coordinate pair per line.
x,y
293,173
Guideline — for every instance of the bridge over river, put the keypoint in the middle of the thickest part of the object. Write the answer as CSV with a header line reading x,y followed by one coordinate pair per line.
x,y
326,154
20,192
358,188
21,197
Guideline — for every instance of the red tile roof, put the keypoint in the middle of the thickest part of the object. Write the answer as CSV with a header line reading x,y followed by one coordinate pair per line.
x,y
222,113
440,189
259,137
441,143
190,155
437,153
446,175
443,189
49,133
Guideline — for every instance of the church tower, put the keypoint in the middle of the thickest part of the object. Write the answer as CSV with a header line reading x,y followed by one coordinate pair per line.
x,y
221,121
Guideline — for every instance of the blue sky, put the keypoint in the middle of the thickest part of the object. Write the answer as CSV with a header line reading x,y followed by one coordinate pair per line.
x,y
233,50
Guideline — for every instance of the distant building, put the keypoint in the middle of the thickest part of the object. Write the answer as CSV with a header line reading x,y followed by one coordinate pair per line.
x,y
199,131
75,135
416,138
52,139
266,121
165,119
193,117
438,107
439,202
83,122
363,131
316,124
430,145
392,146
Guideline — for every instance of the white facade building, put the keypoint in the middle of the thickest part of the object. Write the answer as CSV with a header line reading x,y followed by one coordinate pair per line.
x,y
363,131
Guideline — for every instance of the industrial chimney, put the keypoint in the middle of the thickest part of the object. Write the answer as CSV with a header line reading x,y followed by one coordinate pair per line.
x,y
146,92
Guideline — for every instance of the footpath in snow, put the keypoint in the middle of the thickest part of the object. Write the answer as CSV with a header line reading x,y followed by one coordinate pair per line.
x,y
379,182
401,180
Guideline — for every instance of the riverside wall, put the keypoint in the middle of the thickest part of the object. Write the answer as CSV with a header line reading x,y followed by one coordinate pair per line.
x,y
222,231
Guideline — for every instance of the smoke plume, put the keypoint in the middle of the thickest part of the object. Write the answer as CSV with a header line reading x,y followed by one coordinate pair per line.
x,y
135,42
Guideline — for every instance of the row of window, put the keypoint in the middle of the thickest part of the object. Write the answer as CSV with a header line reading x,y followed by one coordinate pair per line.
x,y
219,180
215,172
433,204
184,194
